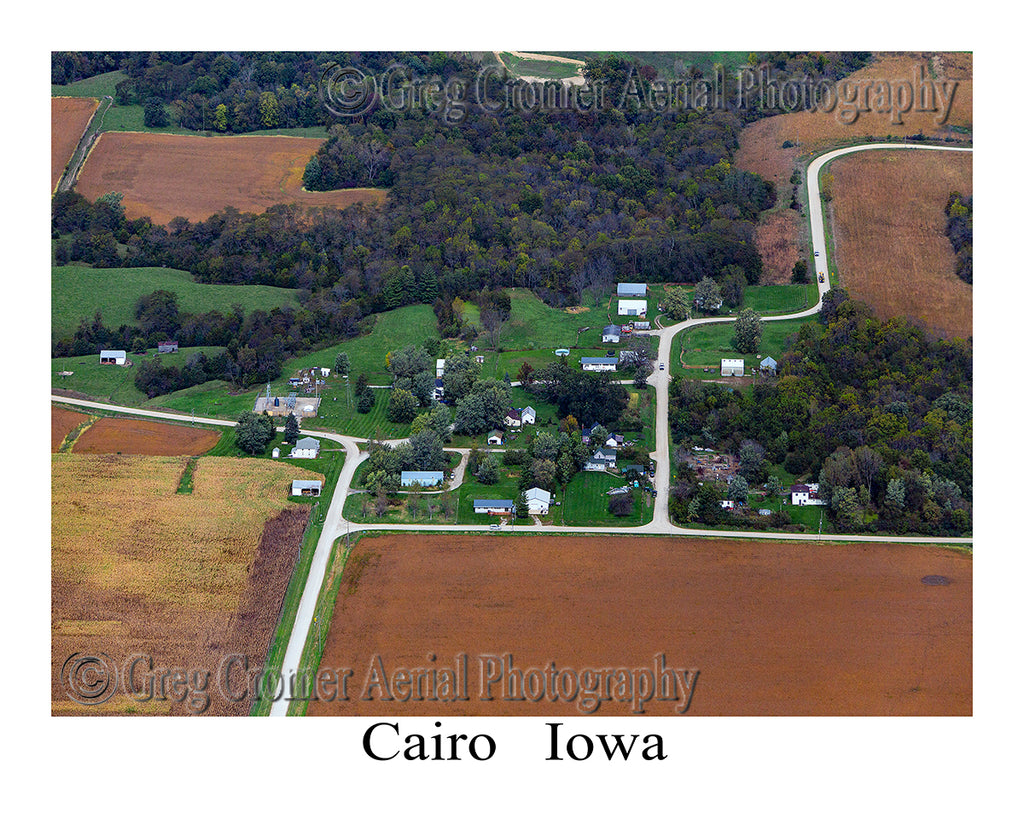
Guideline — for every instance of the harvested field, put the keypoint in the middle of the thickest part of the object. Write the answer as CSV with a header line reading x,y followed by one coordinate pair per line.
x,y
186,579
63,421
168,175
777,238
69,117
889,226
134,436
761,143
774,628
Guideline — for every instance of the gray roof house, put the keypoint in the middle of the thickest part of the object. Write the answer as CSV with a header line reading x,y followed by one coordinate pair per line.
x,y
494,507
306,448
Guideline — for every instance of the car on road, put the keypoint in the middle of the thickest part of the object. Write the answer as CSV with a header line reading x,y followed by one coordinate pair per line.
x,y
821,277
495,525
661,366
816,253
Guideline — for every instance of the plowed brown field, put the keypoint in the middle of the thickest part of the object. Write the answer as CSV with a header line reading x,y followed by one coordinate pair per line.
x,y
137,569
69,117
889,226
134,436
773,628
62,421
168,175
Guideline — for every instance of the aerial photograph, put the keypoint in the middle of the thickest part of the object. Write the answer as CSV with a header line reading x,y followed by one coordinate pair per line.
x,y
441,385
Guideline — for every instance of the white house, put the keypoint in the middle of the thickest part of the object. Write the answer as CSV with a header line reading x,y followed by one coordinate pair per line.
x,y
425,479
611,334
601,460
440,368
307,488
599,365
494,507
118,357
306,448
632,307
631,289
275,452
801,494
732,366
529,415
514,419
538,500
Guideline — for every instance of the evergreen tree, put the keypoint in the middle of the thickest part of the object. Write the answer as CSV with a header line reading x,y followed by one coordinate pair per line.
x,y
291,429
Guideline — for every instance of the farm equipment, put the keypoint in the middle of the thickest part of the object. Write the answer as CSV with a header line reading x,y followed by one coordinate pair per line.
x,y
821,277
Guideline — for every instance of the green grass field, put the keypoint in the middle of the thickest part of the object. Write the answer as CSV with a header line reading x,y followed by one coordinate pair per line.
x,y
546,69
585,503
78,292
774,299
707,345
665,61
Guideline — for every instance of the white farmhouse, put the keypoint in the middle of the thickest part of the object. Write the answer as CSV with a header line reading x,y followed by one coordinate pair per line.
x,y
538,500
306,448
601,364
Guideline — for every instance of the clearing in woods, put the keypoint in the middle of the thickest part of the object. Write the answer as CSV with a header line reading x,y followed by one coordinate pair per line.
x,y
166,175
774,628
137,568
69,117
888,220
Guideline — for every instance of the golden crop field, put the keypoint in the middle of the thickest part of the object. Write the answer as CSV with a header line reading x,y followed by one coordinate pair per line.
x,y
137,567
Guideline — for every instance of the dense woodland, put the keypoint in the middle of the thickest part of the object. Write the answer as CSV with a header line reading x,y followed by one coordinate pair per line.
x,y
879,411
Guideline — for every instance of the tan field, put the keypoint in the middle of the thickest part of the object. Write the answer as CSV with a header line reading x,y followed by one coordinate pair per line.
x,y
166,175
69,117
888,221
761,151
183,578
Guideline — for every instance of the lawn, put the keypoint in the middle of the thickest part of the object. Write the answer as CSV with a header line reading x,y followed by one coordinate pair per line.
x,y
585,502
706,346
507,488
773,299
80,292
545,69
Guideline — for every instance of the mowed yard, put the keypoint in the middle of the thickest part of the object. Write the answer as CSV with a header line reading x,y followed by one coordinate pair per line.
x,y
168,175
773,628
137,568
69,117
888,222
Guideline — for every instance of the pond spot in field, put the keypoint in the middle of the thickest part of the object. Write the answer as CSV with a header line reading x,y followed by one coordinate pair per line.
x,y
936,580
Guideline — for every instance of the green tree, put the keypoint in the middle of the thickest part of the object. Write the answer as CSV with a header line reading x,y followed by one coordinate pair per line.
x,y
489,470
253,432
291,428
738,489
676,303
342,365
800,272
154,114
748,327
707,295
402,406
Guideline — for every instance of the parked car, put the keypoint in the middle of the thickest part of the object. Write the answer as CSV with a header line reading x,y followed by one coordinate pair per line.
x,y
661,366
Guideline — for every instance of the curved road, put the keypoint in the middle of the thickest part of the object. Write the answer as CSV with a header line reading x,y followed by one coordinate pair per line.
x,y
335,524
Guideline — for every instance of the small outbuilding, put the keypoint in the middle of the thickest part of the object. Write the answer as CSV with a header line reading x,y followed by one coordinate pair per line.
x,y
495,437
118,357
306,448
529,415
632,307
769,365
631,290
167,347
307,488
732,366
